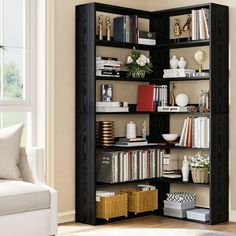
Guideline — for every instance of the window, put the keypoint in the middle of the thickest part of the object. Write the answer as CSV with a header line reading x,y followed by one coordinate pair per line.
x,y
17,65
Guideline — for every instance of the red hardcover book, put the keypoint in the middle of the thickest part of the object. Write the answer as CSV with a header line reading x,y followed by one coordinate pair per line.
x,y
146,98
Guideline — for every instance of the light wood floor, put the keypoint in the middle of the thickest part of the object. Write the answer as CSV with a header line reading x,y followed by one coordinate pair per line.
x,y
147,222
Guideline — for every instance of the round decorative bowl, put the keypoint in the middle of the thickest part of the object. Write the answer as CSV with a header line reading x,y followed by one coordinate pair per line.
x,y
170,137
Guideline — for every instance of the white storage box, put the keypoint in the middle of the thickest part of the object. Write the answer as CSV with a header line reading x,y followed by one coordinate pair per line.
x,y
199,214
175,213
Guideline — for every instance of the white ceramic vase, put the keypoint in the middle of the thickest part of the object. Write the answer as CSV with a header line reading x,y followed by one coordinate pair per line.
x,y
131,130
174,62
182,63
185,169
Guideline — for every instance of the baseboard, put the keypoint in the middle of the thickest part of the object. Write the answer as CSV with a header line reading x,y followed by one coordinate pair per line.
x,y
66,217
232,216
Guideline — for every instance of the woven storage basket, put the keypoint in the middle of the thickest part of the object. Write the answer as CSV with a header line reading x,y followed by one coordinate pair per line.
x,y
142,201
200,175
113,206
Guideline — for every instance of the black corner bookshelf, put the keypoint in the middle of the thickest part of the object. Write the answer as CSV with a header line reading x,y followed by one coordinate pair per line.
x,y
86,115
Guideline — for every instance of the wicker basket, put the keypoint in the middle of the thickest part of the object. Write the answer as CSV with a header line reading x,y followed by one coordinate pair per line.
x,y
113,206
200,175
142,201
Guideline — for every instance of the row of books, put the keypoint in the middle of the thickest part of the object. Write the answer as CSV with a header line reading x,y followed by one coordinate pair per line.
x,y
125,29
195,132
200,24
112,107
108,66
151,96
175,73
114,167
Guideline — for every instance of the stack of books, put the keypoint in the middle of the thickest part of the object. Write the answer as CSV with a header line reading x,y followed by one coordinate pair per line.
x,y
195,132
125,29
115,167
131,142
108,67
170,166
173,109
112,107
143,187
200,24
150,97
145,37
103,194
175,73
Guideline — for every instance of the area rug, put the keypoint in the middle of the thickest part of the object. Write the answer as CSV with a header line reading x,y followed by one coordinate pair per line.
x,y
148,232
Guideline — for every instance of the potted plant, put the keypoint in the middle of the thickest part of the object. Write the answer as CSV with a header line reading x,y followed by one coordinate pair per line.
x,y
200,167
138,64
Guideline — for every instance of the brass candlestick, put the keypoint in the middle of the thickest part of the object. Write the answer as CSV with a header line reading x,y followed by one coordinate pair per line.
x,y
100,27
172,94
108,28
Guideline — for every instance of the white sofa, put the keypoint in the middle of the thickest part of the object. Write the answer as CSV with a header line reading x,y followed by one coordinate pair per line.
x,y
28,207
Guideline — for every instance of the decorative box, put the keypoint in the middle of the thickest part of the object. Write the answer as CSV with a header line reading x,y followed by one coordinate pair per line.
x,y
113,206
175,213
179,205
181,197
142,201
199,214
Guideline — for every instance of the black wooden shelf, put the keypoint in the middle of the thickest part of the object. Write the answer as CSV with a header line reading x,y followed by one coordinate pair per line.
x,y
115,148
178,181
155,113
192,43
153,80
158,180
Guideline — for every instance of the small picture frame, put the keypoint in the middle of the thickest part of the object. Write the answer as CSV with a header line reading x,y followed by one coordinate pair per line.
x,y
106,92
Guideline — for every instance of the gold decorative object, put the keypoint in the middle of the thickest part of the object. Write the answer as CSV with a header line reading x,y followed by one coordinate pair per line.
x,y
172,94
200,57
105,133
187,26
100,27
177,29
144,129
108,28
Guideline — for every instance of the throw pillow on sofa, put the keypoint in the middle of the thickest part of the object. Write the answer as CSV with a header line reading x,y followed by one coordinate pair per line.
x,y
10,138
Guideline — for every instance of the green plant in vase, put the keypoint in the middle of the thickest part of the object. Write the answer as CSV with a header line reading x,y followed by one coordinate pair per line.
x,y
138,65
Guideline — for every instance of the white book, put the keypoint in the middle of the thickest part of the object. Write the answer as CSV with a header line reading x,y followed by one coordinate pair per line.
x,y
161,163
193,24
206,19
135,156
144,165
197,132
121,157
203,124
111,104
173,108
182,136
140,164
146,41
186,132
116,179
193,132
158,163
202,24
208,132
125,166
179,71
112,109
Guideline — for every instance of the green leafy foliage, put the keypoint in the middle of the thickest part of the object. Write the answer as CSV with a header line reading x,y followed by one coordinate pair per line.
x,y
13,87
138,65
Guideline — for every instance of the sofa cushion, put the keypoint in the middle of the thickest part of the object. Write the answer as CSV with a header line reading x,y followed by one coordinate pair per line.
x,y
20,196
9,151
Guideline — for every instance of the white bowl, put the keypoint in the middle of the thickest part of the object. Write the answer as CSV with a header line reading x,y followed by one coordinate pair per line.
x,y
170,137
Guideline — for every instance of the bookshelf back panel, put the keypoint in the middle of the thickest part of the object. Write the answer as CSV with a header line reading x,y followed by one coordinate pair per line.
x,y
202,193
122,91
121,121
188,54
191,88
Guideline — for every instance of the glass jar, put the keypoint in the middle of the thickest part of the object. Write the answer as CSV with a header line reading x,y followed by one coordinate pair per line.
x,y
204,101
